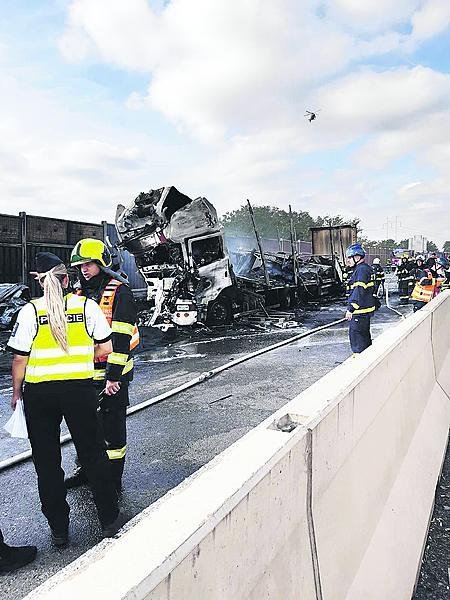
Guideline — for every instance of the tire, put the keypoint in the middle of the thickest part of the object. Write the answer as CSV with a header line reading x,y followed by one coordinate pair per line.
x,y
219,312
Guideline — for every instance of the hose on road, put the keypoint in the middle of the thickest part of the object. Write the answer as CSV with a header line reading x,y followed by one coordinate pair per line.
x,y
22,457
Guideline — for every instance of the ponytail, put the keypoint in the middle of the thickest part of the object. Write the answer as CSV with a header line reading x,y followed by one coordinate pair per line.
x,y
51,281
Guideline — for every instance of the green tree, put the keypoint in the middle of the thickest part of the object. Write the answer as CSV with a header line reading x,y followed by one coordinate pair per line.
x,y
270,222
431,246
447,247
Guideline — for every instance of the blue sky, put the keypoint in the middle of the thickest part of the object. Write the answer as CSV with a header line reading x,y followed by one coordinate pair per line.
x,y
103,99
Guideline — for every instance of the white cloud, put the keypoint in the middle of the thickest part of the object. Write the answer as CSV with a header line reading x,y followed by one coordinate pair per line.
x,y
371,15
369,100
433,18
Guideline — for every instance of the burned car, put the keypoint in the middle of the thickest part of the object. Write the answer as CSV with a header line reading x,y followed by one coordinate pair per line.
x,y
12,297
179,249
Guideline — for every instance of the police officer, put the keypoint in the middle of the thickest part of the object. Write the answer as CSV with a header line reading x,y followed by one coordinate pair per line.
x,y
379,276
113,372
361,302
54,342
14,557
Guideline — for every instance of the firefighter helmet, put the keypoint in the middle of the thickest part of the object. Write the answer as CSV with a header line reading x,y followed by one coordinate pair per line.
x,y
376,261
355,250
88,250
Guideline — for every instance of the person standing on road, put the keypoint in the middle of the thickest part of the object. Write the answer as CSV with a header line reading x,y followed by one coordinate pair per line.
x,y
54,342
404,280
114,372
14,557
431,262
379,276
361,302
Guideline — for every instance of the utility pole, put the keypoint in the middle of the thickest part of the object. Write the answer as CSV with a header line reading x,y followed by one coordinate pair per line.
x,y
258,241
397,225
293,248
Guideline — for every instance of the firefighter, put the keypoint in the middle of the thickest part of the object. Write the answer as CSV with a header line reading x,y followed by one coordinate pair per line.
x,y
54,342
14,557
379,276
114,372
404,278
442,273
431,262
361,302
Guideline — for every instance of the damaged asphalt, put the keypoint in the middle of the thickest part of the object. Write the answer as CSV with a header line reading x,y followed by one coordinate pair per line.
x,y
169,441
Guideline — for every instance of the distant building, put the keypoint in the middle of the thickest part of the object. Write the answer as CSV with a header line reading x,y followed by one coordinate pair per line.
x,y
418,244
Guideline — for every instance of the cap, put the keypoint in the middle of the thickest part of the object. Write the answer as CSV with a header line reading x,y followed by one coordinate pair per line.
x,y
45,261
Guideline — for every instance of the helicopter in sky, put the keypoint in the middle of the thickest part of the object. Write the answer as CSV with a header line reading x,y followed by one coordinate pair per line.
x,y
311,115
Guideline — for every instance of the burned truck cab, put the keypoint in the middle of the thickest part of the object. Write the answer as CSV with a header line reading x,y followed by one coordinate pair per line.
x,y
179,249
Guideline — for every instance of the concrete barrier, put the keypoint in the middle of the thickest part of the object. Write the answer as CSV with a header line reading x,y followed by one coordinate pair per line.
x,y
329,498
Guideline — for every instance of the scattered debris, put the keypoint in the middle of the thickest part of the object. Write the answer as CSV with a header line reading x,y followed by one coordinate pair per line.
x,y
12,297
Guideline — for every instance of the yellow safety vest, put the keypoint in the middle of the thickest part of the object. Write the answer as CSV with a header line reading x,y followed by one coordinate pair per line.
x,y
47,360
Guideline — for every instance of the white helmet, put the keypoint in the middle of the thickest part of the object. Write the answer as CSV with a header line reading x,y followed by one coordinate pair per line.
x,y
420,257
376,261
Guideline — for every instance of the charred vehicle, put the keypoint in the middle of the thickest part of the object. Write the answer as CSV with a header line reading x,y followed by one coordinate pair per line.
x,y
179,249
316,276
12,297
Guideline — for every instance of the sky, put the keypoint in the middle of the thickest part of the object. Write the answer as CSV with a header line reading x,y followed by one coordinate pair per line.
x,y
103,99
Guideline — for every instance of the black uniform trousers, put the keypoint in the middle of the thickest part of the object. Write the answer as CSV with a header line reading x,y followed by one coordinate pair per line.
x,y
404,290
45,405
359,333
113,423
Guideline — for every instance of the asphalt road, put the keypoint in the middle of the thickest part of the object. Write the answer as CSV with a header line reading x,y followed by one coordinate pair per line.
x,y
172,439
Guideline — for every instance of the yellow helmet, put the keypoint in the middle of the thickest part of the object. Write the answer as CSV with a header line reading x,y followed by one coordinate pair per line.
x,y
88,250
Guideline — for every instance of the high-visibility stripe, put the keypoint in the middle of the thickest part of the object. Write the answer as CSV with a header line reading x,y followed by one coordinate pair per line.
x,y
122,327
362,311
127,368
362,284
44,353
117,453
355,306
59,369
117,358
99,374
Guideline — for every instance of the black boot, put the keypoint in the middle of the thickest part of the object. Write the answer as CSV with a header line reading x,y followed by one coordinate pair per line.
x,y
77,478
14,557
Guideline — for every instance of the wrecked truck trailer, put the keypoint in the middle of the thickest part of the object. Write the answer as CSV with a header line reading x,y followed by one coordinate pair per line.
x,y
317,276
179,249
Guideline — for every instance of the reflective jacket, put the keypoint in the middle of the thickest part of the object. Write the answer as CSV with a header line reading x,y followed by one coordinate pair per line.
x,y
47,360
361,300
118,306
403,272
379,273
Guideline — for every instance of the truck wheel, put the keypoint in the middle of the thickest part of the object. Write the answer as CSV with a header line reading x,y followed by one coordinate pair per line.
x,y
219,312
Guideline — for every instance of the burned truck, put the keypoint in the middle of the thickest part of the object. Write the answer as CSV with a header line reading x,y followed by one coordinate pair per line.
x,y
179,249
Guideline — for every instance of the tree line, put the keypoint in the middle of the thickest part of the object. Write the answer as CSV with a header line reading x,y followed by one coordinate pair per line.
x,y
274,222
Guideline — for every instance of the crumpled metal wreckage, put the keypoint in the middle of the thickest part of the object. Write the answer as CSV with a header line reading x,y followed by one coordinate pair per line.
x,y
12,297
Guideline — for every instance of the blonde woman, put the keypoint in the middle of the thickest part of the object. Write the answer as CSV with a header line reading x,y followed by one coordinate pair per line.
x,y
54,343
